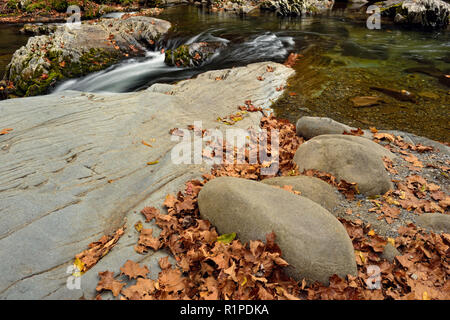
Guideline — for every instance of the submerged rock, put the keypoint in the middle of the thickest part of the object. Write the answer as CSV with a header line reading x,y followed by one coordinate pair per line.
x,y
351,158
402,95
73,51
190,55
309,187
312,240
365,101
374,52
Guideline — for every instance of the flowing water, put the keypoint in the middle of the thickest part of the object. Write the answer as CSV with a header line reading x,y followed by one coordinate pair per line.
x,y
341,59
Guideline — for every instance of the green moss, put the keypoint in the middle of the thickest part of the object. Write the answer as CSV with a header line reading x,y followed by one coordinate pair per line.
x,y
13,4
179,56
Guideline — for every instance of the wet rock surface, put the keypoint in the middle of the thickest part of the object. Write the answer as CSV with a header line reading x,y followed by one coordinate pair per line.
x,y
191,55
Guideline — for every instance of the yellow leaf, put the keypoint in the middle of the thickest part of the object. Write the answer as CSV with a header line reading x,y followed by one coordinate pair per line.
x,y
152,162
146,144
226,238
361,255
425,296
244,282
79,265
138,226
371,233
391,241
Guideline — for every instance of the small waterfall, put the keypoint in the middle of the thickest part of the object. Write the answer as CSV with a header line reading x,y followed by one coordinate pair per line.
x,y
139,73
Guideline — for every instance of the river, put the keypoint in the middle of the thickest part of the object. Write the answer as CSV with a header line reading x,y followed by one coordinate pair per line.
x,y
341,59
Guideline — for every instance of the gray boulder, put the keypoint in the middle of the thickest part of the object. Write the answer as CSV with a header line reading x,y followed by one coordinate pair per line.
x,y
309,127
436,222
312,240
352,158
310,187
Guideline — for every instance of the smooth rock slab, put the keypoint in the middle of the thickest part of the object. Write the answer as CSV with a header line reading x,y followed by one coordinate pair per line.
x,y
310,187
312,240
74,168
352,158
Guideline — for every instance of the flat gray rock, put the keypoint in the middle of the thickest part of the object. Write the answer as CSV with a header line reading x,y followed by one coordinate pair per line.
x,y
312,240
310,187
75,168
351,158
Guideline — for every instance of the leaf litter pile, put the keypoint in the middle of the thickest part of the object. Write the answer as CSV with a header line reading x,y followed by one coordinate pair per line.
x,y
210,266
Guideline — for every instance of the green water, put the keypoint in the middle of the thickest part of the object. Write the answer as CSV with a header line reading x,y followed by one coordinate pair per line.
x,y
342,60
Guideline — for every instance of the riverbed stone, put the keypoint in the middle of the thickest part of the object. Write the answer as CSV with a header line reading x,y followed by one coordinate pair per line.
x,y
310,187
436,222
192,55
74,168
75,50
312,240
351,158
309,127
390,252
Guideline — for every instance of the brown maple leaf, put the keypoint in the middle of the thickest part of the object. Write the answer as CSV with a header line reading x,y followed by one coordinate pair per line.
x,y
107,282
133,270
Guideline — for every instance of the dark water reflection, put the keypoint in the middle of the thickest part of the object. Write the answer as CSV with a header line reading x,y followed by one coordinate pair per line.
x,y
10,41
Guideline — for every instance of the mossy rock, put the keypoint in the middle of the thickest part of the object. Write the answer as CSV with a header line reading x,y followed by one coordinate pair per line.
x,y
179,57
63,68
